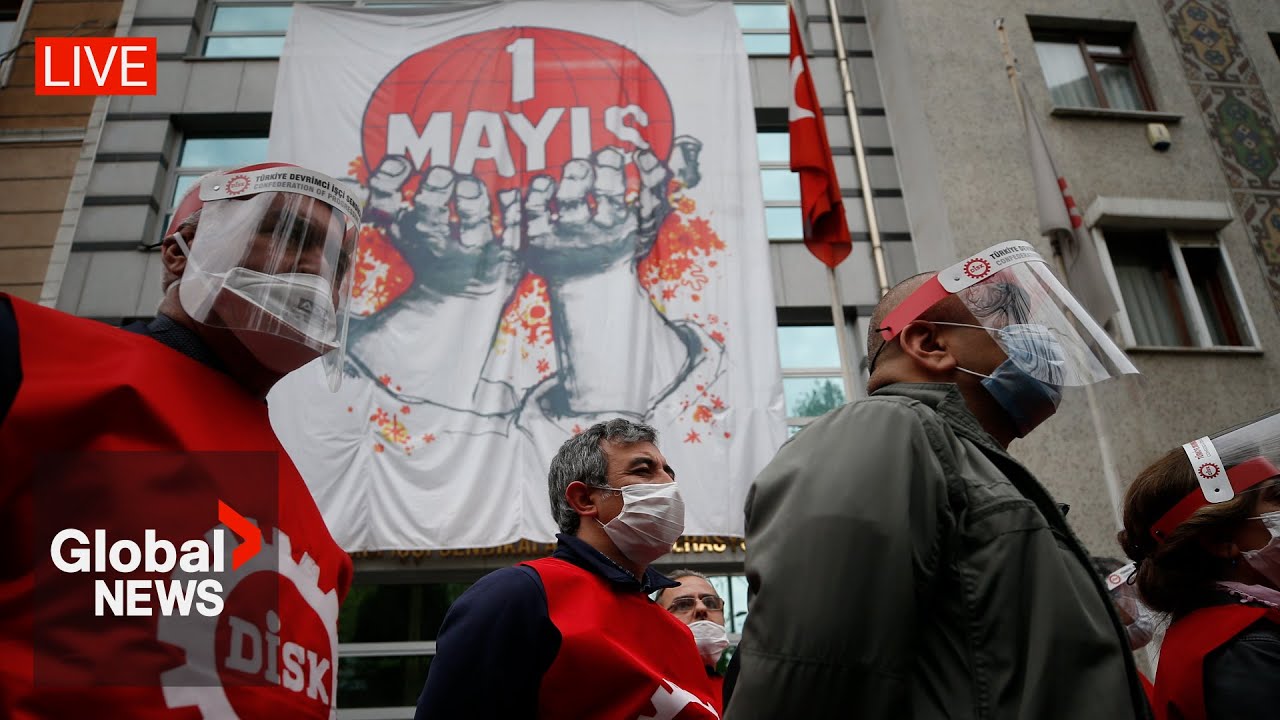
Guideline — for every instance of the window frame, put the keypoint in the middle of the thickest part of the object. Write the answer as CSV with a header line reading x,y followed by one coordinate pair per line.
x,y
19,27
818,317
178,170
1083,37
211,11
777,165
784,31
1188,307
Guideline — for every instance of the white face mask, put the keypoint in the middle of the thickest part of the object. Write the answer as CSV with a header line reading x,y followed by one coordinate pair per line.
x,y
285,320
651,520
711,638
1266,559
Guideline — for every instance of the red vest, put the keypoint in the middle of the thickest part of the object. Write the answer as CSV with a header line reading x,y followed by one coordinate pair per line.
x,y
622,657
1180,679
93,391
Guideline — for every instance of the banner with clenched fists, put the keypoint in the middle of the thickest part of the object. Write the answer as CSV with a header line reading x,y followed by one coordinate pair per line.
x,y
564,225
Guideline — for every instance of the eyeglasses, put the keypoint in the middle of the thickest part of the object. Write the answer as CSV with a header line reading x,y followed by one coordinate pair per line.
x,y
685,604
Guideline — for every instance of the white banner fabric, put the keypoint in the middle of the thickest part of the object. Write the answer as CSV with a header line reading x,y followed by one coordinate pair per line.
x,y
564,226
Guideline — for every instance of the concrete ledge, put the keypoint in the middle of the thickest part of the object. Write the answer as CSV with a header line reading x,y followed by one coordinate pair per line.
x,y
1120,212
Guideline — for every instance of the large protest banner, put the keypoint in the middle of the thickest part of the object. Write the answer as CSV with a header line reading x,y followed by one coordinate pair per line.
x,y
564,225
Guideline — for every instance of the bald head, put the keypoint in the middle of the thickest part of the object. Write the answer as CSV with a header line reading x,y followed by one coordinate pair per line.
x,y
949,309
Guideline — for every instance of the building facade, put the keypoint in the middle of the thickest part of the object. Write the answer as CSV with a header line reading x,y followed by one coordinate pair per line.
x,y
1190,235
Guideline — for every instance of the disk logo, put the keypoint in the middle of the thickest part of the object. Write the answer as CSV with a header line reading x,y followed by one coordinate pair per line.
x,y
977,268
75,551
1209,470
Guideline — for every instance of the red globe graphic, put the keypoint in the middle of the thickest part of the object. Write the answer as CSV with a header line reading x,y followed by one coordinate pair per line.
x,y
562,84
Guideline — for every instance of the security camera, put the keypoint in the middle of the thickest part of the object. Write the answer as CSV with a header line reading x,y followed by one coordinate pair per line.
x,y
1158,137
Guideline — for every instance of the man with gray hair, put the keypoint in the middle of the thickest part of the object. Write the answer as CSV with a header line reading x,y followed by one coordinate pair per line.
x,y
575,634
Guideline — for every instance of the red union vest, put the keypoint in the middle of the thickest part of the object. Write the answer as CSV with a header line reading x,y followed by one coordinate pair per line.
x,y
622,657
91,388
1180,679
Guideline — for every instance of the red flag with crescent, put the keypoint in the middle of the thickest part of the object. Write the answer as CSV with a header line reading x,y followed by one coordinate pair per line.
x,y
826,231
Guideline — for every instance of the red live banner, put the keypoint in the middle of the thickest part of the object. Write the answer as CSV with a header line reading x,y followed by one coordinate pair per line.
x,y
95,66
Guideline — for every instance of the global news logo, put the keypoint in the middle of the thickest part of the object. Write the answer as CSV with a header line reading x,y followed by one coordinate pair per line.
x,y
75,551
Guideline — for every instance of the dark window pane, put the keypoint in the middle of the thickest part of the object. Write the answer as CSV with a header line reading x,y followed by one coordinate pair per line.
x,y
381,681
808,346
1215,295
1149,286
761,16
812,396
244,46
7,28
767,44
390,613
1066,74
263,18
784,223
217,153
782,185
774,146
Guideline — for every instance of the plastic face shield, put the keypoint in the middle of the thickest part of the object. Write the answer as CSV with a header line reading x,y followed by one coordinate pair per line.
x,y
1244,459
271,261
1038,323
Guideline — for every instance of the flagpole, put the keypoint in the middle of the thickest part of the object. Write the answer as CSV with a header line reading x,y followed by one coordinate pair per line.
x,y
1110,476
842,335
859,153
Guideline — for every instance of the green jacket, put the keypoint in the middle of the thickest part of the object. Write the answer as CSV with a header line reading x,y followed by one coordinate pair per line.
x,y
903,565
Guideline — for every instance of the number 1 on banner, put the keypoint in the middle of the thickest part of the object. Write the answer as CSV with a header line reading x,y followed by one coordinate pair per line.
x,y
521,69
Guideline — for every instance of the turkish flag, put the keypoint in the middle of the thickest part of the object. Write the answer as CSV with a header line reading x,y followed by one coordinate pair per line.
x,y
826,232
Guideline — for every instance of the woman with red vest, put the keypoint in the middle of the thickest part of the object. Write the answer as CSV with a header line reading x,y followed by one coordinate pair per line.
x,y
157,436
1203,524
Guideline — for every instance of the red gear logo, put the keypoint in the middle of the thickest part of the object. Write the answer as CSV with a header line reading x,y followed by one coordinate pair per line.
x,y
237,184
573,84
977,268
1209,471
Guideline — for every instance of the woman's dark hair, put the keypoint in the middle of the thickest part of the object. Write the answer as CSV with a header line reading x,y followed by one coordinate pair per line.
x,y
1178,575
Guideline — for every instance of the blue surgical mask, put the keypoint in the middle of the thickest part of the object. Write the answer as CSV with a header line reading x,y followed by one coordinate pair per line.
x,y
1026,400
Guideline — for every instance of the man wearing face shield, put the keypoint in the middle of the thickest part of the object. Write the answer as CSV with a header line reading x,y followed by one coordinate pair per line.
x,y
1203,525
255,286
576,635
953,585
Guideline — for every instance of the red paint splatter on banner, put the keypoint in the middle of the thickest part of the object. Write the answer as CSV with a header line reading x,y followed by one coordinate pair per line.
x,y
381,274
717,336
356,169
528,315
702,414
693,437
428,438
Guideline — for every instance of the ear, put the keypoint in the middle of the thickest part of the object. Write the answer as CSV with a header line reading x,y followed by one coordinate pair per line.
x,y
927,347
175,261
579,496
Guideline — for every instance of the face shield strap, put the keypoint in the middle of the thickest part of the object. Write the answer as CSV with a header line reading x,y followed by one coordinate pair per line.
x,y
1214,488
962,275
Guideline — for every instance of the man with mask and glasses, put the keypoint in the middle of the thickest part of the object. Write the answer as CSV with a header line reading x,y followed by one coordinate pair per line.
x,y
160,430
697,604
949,582
575,635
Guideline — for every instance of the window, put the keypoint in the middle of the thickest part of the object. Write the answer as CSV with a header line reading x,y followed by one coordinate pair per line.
x,y
1178,290
812,383
1092,69
10,35
247,30
765,28
386,639
783,220
200,155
